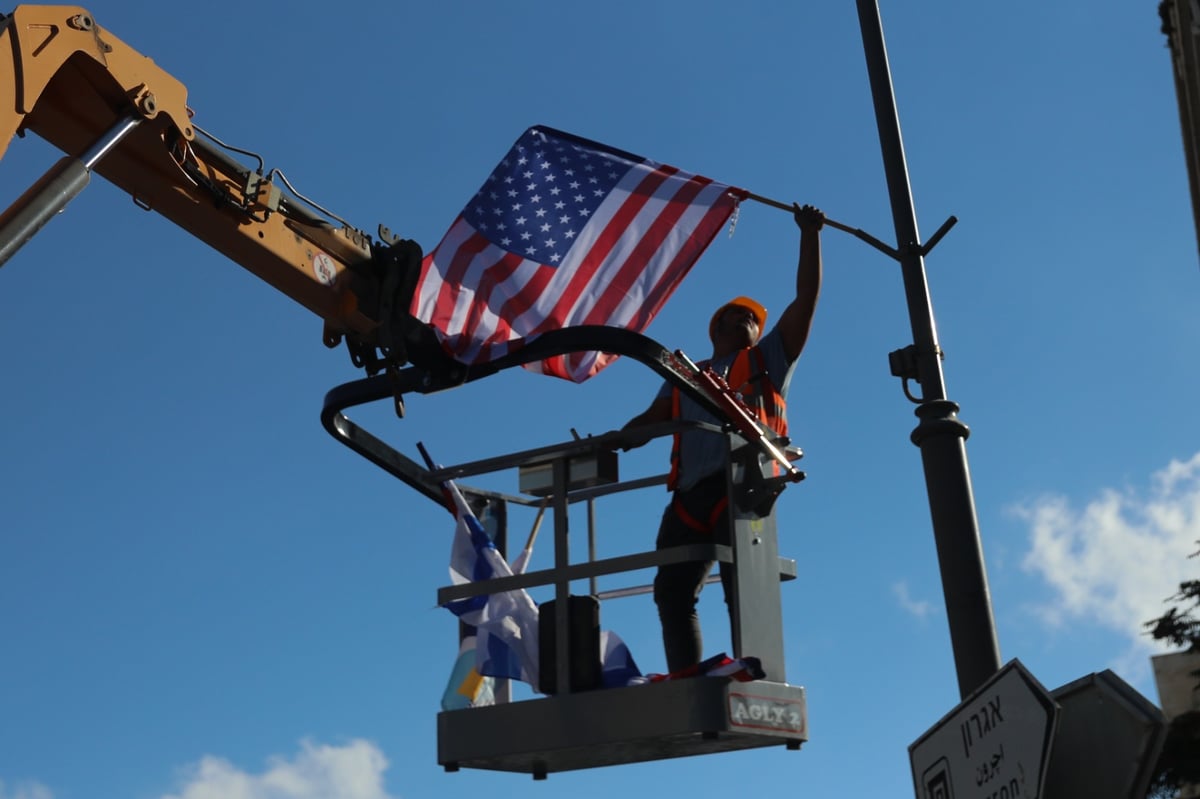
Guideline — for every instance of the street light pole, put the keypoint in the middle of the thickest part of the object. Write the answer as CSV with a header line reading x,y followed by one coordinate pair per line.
x,y
940,435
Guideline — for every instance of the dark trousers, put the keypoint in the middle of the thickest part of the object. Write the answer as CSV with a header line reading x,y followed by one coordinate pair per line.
x,y
699,515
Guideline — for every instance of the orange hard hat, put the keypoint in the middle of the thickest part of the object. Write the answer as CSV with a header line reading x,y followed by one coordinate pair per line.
x,y
760,313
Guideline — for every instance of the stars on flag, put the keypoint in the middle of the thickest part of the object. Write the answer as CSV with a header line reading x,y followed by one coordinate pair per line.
x,y
537,200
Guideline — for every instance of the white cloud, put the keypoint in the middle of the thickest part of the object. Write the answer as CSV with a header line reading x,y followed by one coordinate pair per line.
x,y
920,608
353,771
1114,561
27,789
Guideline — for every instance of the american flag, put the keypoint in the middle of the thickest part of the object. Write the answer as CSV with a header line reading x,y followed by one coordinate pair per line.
x,y
566,232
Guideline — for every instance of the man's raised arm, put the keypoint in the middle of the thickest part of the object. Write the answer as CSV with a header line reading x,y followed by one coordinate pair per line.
x,y
796,321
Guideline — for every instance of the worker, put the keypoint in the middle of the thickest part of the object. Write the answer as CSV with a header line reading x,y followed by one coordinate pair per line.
x,y
759,368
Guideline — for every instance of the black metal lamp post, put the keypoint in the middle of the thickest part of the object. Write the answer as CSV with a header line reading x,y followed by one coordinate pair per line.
x,y
940,435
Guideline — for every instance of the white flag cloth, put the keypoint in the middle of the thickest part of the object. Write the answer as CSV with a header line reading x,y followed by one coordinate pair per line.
x,y
506,622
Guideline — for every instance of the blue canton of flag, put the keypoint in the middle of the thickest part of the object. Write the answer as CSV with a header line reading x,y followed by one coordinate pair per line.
x,y
540,196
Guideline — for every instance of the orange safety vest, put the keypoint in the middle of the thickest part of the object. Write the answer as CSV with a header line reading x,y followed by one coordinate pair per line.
x,y
757,391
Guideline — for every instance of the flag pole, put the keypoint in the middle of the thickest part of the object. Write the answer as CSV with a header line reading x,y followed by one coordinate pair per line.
x,y
527,552
853,231
537,524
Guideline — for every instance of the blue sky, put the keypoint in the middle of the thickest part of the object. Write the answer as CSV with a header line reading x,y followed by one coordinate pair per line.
x,y
202,594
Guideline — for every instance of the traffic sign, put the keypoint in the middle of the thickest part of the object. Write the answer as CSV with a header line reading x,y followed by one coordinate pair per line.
x,y
994,745
1108,740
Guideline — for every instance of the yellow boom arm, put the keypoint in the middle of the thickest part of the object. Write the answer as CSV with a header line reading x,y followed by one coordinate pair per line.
x,y
114,111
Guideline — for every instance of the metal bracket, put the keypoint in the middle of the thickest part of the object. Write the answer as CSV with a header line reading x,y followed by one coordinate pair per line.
x,y
910,249
950,222
904,364
387,236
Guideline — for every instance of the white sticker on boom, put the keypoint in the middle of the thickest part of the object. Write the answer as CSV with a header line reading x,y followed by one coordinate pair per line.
x,y
766,713
324,268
